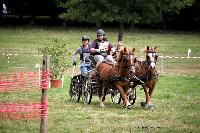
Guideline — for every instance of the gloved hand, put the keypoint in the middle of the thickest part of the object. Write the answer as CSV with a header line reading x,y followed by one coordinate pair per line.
x,y
74,63
98,50
104,55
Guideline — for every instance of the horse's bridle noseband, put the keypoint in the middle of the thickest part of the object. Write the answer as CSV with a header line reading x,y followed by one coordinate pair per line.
x,y
127,59
155,60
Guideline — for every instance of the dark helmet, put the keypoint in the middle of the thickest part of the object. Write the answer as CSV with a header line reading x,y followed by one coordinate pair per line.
x,y
85,38
100,32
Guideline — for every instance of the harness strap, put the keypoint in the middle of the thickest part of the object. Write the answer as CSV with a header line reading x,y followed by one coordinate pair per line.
x,y
109,63
146,78
116,78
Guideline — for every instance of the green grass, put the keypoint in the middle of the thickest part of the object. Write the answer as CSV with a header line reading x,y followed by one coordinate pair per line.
x,y
33,37
176,97
177,110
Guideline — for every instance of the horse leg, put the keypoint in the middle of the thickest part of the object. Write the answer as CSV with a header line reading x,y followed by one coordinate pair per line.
x,y
124,96
147,104
104,94
151,88
150,95
101,96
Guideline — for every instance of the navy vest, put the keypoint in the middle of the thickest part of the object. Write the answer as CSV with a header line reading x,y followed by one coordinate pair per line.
x,y
85,53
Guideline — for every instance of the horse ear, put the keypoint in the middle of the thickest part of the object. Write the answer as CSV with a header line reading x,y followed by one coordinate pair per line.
x,y
121,50
125,50
155,47
135,60
144,50
147,47
133,50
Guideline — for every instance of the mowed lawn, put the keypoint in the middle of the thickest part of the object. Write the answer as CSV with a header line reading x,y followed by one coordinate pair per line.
x,y
176,97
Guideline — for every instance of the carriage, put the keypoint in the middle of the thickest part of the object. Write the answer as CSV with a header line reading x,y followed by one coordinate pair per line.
x,y
86,86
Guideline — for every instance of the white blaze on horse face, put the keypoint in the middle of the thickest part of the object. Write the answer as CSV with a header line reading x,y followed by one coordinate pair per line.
x,y
132,64
152,60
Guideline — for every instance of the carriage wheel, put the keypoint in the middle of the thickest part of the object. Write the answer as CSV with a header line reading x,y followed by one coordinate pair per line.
x,y
115,96
78,89
74,91
87,90
132,95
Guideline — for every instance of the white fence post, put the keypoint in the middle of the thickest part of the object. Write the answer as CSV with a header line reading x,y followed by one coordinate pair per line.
x,y
188,53
161,66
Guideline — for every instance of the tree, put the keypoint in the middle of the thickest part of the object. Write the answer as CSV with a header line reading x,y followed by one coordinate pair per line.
x,y
122,11
189,18
32,8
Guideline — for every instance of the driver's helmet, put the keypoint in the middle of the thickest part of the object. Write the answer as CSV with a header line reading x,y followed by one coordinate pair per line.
x,y
100,32
85,37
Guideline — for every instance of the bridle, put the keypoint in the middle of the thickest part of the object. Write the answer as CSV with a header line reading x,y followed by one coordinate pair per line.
x,y
131,74
128,64
151,59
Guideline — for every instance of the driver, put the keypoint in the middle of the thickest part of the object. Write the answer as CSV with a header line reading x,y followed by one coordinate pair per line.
x,y
101,48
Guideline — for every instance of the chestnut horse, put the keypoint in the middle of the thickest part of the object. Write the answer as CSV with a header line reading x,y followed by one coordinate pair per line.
x,y
116,75
146,71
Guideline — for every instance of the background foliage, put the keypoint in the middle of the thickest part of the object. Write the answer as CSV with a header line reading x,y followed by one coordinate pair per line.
x,y
176,14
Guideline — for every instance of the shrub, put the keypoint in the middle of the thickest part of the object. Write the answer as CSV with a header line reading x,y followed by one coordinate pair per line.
x,y
60,56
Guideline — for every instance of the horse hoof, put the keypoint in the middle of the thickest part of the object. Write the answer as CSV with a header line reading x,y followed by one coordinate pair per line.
x,y
129,107
143,104
151,107
102,106
132,102
147,106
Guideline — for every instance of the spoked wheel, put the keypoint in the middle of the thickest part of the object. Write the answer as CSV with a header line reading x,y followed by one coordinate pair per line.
x,y
115,96
74,91
87,90
132,95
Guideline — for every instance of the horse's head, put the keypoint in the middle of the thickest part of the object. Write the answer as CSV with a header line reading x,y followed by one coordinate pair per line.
x,y
126,60
151,57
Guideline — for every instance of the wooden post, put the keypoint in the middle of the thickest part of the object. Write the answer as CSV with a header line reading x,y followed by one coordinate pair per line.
x,y
44,98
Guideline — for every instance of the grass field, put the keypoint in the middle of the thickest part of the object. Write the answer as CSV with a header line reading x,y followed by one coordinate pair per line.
x,y
176,97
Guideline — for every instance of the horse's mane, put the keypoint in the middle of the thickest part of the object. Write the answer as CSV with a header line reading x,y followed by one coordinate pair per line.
x,y
123,50
121,53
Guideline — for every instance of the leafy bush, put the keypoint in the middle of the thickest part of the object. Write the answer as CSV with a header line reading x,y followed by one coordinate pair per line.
x,y
60,56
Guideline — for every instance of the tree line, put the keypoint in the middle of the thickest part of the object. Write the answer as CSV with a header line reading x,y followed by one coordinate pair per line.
x,y
166,13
